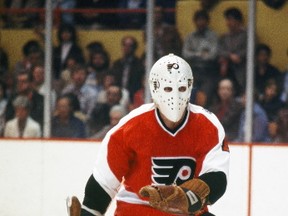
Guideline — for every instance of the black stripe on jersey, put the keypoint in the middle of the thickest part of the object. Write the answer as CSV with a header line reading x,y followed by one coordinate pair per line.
x,y
173,131
217,182
95,196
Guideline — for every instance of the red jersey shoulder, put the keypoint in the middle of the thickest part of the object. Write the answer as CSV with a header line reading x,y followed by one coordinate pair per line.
x,y
136,121
140,122
205,117
203,122
206,125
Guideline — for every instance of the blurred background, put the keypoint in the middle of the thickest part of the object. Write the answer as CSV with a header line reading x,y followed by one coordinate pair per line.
x,y
71,69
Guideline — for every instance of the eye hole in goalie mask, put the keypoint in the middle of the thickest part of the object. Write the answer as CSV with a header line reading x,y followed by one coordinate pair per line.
x,y
171,82
180,89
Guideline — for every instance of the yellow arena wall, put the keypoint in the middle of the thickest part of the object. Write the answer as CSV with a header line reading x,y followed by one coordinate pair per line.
x,y
13,40
272,28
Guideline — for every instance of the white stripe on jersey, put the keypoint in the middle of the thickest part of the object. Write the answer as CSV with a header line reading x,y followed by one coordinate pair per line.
x,y
129,197
217,152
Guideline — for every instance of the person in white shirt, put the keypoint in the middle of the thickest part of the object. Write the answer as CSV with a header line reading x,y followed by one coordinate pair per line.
x,y
22,125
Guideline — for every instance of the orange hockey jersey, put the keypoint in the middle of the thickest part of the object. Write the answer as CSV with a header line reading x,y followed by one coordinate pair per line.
x,y
141,151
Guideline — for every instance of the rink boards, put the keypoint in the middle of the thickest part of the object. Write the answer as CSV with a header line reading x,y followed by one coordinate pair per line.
x,y
36,176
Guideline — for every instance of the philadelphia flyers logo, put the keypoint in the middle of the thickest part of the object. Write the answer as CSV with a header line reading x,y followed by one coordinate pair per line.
x,y
169,170
174,65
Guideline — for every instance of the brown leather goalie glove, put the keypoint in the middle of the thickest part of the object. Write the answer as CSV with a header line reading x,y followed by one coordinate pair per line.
x,y
73,206
188,198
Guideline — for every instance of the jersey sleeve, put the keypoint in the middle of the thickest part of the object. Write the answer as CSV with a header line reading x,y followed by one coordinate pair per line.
x,y
110,166
215,168
215,165
96,198
112,162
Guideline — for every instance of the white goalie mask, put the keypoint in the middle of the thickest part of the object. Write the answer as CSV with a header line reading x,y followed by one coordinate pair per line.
x,y
171,82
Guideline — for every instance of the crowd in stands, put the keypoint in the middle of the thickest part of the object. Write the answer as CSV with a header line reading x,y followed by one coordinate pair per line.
x,y
89,96
94,18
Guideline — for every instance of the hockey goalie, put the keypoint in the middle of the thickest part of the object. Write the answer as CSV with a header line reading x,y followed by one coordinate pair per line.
x,y
164,158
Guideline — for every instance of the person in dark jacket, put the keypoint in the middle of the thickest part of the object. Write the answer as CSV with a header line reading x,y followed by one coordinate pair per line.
x,y
129,69
264,70
67,47
64,123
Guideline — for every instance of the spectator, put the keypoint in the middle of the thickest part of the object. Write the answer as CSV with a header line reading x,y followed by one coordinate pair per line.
x,y
200,50
138,99
115,114
273,132
3,104
130,20
282,125
38,78
76,107
264,71
64,123
270,101
168,16
9,81
65,75
97,67
67,46
96,20
227,108
22,125
159,22
128,70
169,42
32,55
260,123
86,95
100,114
23,20
24,88
4,63
284,93
109,80
66,18
139,96
166,37
233,48
94,46
199,98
